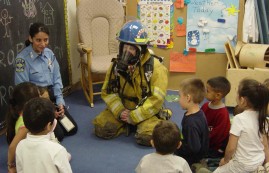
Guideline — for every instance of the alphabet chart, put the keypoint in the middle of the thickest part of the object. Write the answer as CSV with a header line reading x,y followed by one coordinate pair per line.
x,y
157,16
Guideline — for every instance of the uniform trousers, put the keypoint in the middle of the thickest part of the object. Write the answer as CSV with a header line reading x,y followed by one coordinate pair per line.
x,y
59,130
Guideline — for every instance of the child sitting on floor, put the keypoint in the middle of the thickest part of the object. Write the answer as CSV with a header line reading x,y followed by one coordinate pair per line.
x,y
247,147
217,115
194,126
37,153
165,139
16,130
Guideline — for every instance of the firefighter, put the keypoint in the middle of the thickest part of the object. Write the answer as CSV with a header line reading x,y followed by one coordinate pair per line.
x,y
134,89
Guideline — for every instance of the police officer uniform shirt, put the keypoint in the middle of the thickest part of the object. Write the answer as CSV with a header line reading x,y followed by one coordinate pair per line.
x,y
41,69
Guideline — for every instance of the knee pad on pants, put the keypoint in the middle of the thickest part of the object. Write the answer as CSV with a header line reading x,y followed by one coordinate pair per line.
x,y
143,139
107,132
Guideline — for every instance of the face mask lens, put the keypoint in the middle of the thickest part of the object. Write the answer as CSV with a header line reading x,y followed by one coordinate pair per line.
x,y
128,54
126,57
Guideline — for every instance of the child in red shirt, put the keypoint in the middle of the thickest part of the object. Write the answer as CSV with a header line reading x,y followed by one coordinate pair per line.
x,y
217,115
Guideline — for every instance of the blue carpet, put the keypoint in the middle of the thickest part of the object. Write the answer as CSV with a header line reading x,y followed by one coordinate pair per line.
x,y
94,155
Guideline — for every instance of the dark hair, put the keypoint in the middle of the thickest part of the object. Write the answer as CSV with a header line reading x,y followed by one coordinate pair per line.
x,y
194,87
37,113
257,97
35,28
166,137
22,93
220,84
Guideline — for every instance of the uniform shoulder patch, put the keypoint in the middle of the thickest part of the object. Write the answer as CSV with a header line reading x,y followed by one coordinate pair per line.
x,y
20,64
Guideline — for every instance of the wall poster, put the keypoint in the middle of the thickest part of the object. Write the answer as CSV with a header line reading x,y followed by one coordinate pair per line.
x,y
157,16
210,23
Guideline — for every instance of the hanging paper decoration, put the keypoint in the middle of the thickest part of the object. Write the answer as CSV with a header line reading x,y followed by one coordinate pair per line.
x,y
210,24
157,16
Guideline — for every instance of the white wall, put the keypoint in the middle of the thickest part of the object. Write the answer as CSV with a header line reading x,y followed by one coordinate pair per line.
x,y
73,40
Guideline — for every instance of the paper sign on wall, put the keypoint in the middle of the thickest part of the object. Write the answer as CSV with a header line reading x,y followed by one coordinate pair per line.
x,y
210,23
182,63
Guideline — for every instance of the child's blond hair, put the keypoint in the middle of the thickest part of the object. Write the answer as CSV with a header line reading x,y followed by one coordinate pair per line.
x,y
194,87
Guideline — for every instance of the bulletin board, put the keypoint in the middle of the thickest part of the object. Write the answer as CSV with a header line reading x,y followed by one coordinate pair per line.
x,y
211,23
207,64
157,16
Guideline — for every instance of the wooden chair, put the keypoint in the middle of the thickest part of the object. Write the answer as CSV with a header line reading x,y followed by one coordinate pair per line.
x,y
98,22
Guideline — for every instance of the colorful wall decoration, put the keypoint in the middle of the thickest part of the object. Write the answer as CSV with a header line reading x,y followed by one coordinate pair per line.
x,y
157,16
210,23
182,63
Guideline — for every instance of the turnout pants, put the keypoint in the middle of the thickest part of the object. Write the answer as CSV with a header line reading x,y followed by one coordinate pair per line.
x,y
107,127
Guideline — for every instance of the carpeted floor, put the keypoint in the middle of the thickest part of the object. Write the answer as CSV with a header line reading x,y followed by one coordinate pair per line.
x,y
94,155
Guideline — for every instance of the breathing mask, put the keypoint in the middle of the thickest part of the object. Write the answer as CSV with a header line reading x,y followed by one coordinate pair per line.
x,y
128,58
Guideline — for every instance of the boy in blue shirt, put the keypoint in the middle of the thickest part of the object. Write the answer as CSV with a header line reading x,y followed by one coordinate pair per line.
x,y
194,126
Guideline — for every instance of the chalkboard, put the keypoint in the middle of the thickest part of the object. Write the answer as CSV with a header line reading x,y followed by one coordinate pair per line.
x,y
15,18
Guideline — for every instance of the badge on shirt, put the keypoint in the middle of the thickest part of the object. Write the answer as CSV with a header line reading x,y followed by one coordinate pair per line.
x,y
20,65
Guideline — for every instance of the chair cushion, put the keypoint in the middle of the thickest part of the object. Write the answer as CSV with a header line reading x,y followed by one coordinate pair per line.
x,y
98,23
100,64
